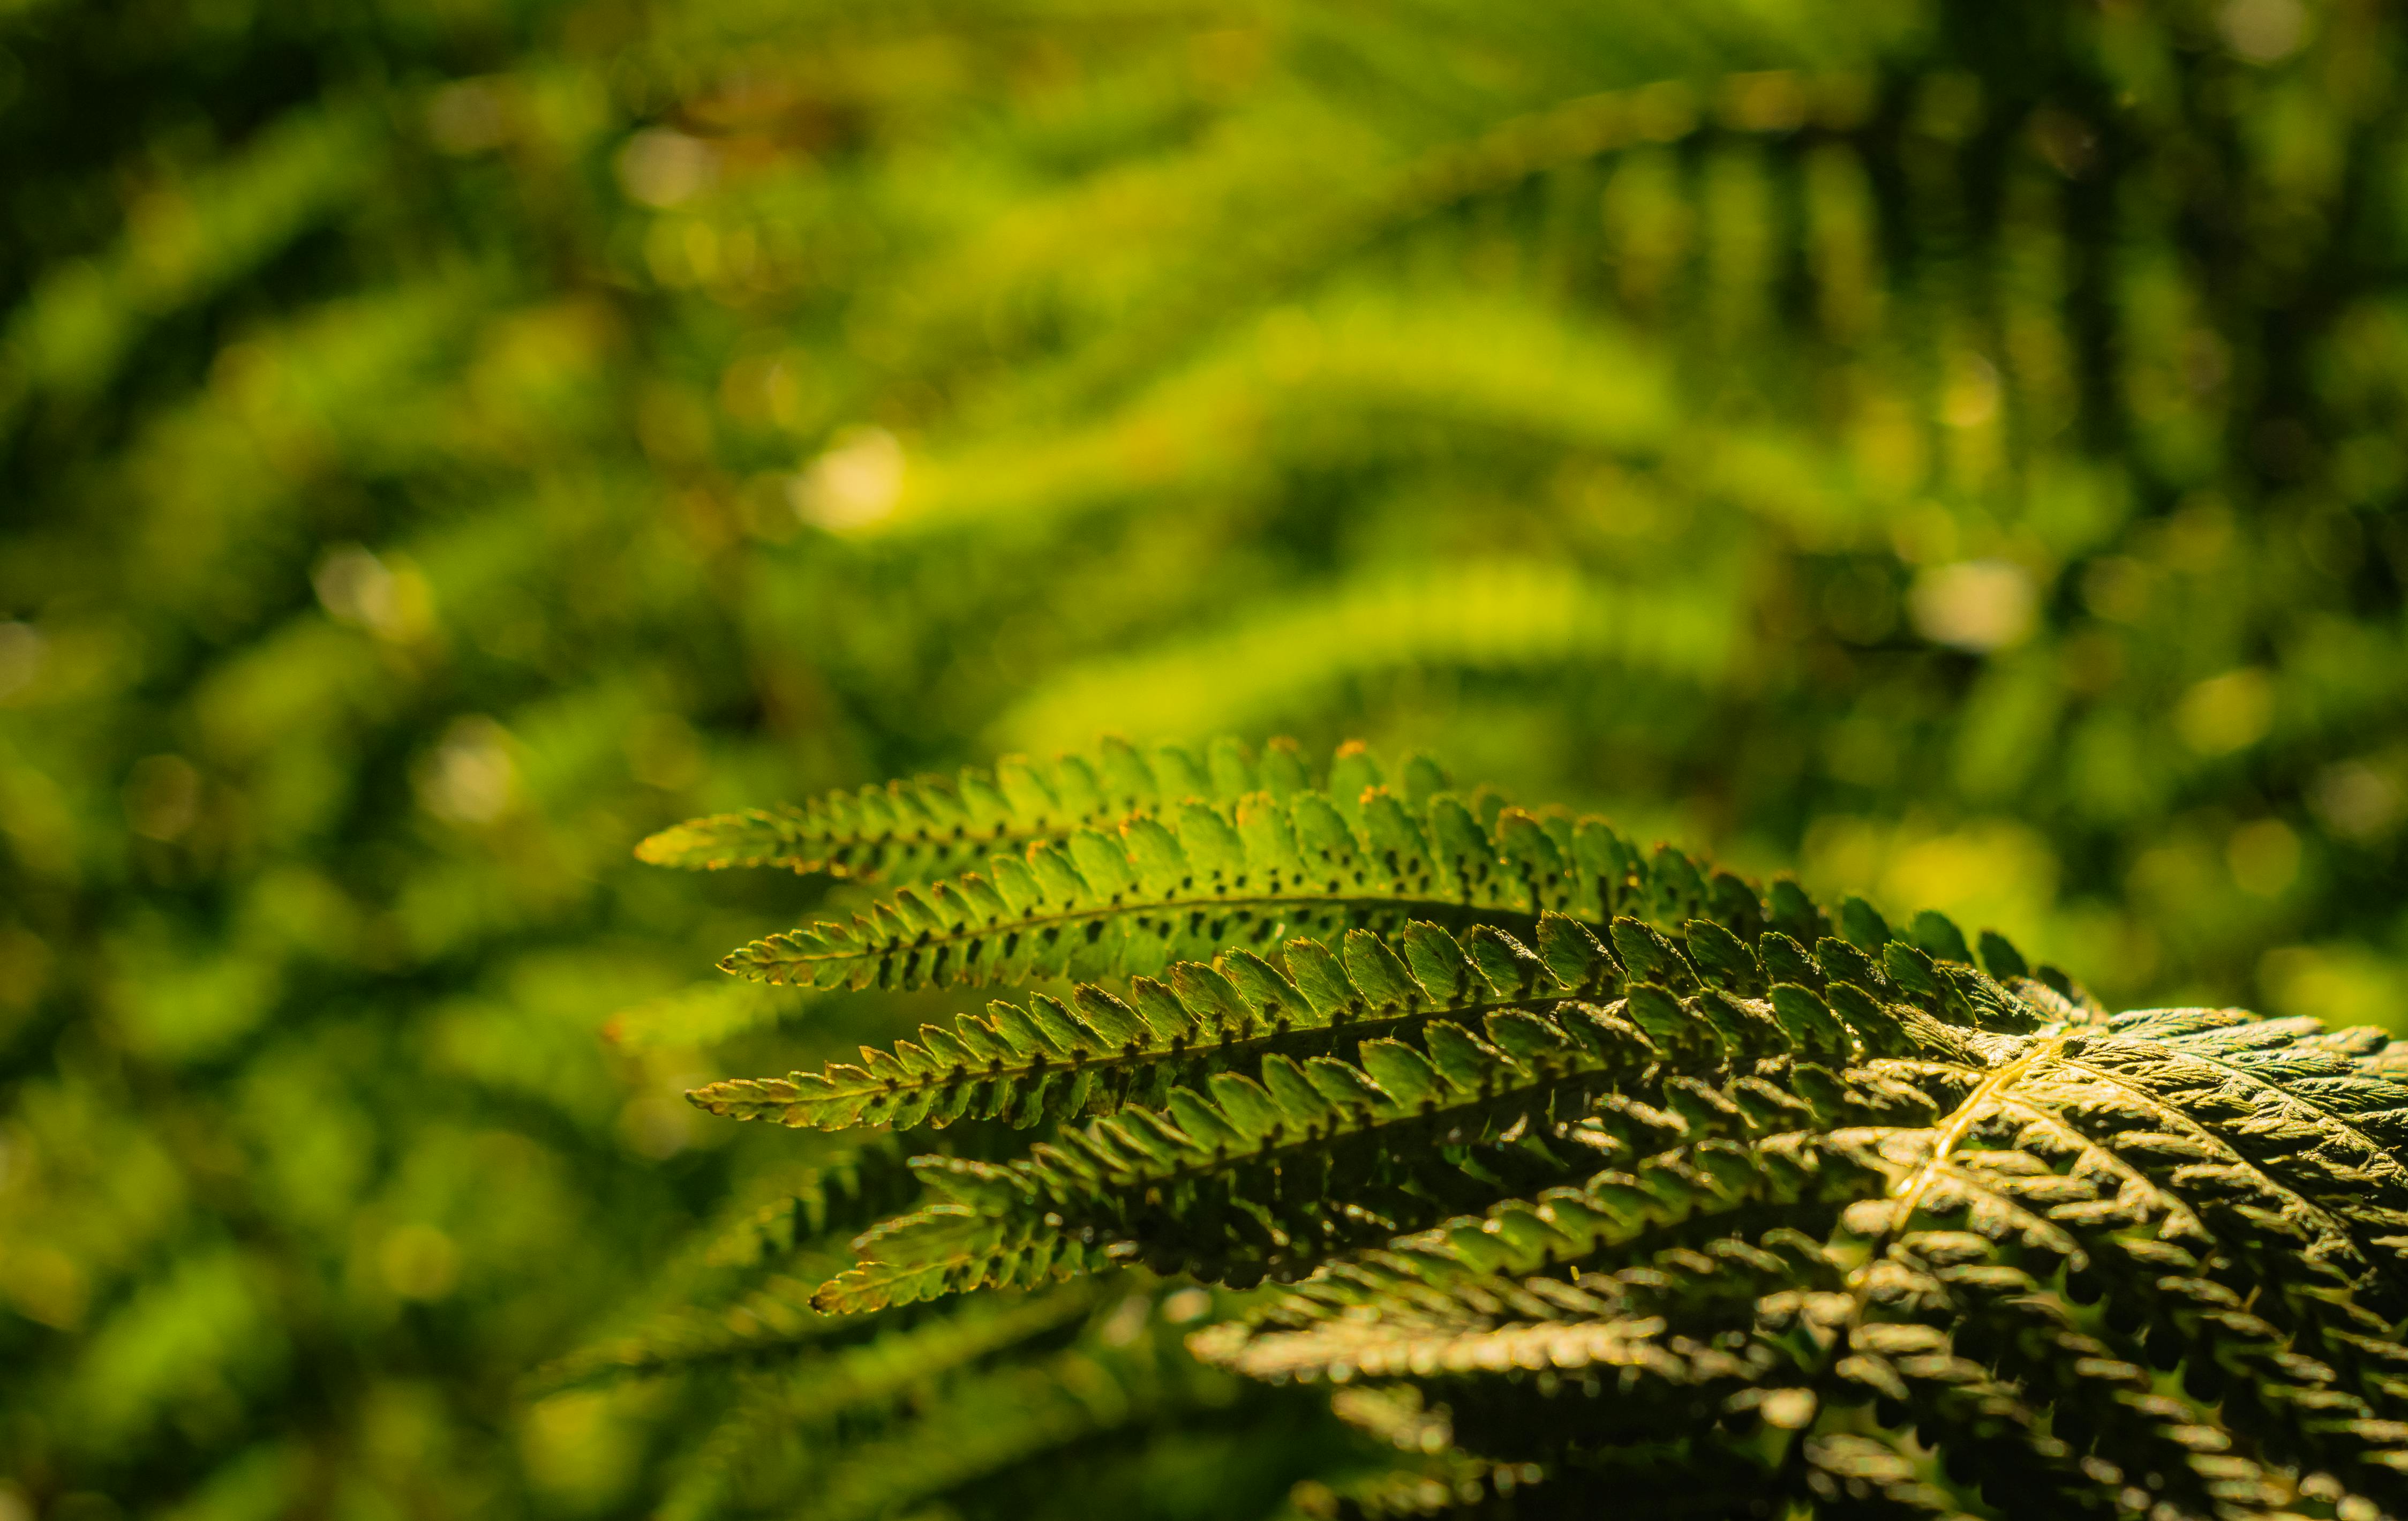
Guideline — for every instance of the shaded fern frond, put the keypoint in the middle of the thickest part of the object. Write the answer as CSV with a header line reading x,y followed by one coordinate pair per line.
x,y
851,1379
772,1315
1005,1417
897,1383
888,1423
835,1198
2054,1166
1246,1178
746,1294
1432,1480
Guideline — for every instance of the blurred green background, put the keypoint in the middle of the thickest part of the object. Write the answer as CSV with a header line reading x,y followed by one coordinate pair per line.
x,y
1949,448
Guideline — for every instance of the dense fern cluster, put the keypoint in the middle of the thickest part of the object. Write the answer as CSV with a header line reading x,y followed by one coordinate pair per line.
x,y
1589,1176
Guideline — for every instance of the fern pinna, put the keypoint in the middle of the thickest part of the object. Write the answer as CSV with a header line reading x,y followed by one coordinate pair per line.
x,y
1588,1176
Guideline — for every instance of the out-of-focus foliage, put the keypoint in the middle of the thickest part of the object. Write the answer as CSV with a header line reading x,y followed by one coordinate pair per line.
x,y
1953,445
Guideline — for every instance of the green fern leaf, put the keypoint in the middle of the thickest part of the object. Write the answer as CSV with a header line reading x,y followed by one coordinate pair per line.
x,y
882,1381
1204,879
1230,1181
1048,1060
920,832
765,1261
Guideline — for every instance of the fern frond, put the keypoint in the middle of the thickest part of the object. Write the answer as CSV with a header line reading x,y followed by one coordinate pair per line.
x,y
859,1383
773,1317
874,1370
1249,1178
1233,1180
764,1262
1489,611
1204,879
1233,1184
834,1198
1660,1333
1775,1186
1112,906
1880,1468
1433,1478
1600,1368
990,1423
918,831
1049,1059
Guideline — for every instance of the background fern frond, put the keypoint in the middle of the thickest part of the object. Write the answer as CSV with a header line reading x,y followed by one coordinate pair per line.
x,y
1240,1183
1272,1177
743,1291
1003,1419
968,1396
